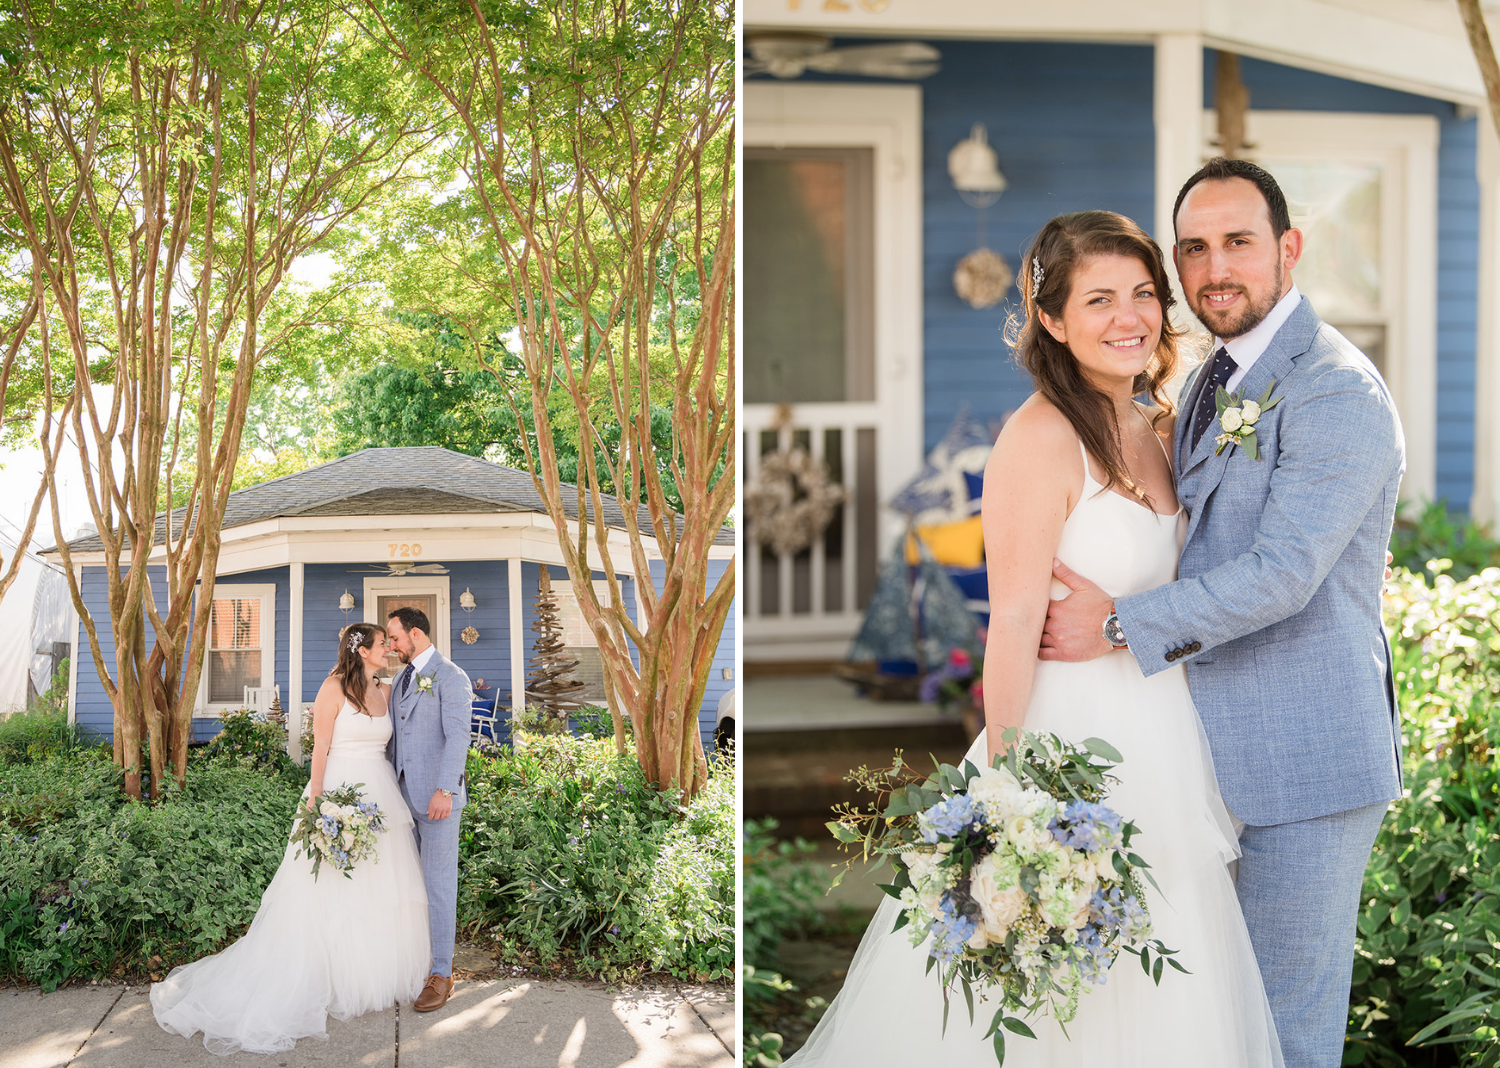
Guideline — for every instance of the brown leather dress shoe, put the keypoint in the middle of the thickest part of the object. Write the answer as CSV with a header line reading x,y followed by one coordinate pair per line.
x,y
435,994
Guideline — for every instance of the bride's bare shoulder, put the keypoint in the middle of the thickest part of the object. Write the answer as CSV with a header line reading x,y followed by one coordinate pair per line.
x,y
1037,432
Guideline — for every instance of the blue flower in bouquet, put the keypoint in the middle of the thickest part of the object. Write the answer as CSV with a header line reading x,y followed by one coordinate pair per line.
x,y
949,818
1114,909
1088,826
951,931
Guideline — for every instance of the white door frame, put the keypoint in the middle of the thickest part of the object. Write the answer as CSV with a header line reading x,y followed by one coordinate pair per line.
x,y
888,120
1406,147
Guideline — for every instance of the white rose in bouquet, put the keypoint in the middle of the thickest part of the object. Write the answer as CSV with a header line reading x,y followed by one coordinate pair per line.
x,y
995,885
1249,412
1231,420
995,788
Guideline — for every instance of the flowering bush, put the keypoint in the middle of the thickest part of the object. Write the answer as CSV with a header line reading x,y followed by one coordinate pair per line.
x,y
960,676
1018,876
343,830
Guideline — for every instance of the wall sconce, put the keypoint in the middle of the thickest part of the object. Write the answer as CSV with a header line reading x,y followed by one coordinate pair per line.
x,y
982,277
346,605
468,604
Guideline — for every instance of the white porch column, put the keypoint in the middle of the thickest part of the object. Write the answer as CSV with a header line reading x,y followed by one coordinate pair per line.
x,y
1178,114
73,655
1485,504
517,641
293,703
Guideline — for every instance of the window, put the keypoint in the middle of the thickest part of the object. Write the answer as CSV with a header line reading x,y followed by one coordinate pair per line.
x,y
580,640
241,646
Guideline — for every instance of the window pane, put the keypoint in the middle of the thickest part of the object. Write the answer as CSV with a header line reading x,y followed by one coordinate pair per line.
x,y
229,672
808,267
235,624
590,672
1337,208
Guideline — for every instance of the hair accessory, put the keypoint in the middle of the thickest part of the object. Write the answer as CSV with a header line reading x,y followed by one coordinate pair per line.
x,y
355,640
1037,274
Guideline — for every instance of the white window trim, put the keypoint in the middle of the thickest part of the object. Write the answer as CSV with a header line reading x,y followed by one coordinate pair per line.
x,y
266,592
375,588
1407,148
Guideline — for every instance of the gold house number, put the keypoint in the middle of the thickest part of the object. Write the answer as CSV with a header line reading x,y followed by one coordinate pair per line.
x,y
404,550
842,5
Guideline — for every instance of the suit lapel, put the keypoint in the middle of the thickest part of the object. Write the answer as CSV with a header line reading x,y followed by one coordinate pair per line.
x,y
1293,339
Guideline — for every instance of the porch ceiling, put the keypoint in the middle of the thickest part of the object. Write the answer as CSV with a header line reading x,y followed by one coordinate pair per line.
x,y
1417,46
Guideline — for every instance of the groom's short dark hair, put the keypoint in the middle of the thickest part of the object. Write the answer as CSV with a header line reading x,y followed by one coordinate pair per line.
x,y
1219,168
411,619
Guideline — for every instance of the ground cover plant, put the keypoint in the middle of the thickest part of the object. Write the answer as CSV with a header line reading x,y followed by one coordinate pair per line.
x,y
570,859
1427,974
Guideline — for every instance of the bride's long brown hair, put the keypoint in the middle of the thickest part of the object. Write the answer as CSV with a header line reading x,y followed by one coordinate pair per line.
x,y
350,669
1061,248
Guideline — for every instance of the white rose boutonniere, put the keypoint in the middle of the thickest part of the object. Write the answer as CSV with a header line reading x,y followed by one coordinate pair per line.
x,y
1237,418
424,682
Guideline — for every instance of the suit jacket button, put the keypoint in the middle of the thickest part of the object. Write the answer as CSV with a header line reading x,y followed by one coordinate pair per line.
x,y
1171,656
1195,647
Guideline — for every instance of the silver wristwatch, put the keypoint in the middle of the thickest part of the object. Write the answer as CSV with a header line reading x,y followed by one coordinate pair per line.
x,y
1114,633
445,793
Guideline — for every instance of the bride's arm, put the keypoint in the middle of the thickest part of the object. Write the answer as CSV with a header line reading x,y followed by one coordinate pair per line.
x,y
325,710
1031,482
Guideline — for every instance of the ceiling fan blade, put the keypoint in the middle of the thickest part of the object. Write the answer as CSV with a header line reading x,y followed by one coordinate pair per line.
x,y
902,59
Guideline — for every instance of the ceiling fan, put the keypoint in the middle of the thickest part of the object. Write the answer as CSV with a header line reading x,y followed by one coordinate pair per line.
x,y
400,568
789,55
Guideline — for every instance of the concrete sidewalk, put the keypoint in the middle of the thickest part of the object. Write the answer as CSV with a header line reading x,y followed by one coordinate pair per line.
x,y
488,1023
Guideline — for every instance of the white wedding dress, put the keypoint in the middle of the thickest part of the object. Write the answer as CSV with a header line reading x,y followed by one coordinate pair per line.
x,y
331,946
889,1013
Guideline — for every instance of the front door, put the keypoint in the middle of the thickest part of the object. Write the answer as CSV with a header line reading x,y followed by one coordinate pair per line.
x,y
832,339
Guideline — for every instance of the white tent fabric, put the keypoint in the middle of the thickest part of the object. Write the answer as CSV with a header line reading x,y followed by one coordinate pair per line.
x,y
36,612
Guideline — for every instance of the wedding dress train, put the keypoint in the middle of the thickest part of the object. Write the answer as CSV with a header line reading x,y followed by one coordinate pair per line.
x,y
890,1012
331,946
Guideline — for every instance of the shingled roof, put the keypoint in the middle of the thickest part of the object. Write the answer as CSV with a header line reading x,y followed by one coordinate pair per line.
x,y
423,480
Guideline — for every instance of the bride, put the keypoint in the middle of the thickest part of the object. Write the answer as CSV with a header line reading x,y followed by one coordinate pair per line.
x,y
334,945
1082,473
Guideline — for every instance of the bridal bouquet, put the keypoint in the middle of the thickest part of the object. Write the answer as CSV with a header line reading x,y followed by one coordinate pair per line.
x,y
1018,876
343,830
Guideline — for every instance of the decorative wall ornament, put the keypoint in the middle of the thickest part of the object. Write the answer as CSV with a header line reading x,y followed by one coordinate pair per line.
x,y
469,635
791,501
982,278
468,604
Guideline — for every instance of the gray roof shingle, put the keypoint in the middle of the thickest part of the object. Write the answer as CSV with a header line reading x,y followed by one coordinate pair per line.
x,y
422,480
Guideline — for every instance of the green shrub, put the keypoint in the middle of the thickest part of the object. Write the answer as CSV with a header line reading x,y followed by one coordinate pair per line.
x,y
38,734
593,721
567,850
247,739
1436,534
96,885
1429,947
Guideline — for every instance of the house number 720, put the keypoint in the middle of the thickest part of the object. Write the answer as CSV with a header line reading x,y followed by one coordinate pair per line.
x,y
842,5
404,549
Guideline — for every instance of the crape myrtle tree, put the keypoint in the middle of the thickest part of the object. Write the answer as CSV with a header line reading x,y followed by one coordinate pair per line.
x,y
596,141
162,165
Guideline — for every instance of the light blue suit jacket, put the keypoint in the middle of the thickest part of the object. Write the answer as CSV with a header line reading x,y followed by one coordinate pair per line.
x,y
1276,611
430,740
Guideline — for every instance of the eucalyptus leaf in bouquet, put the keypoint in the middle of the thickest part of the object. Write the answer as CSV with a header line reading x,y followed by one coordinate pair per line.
x,y
341,828
1018,877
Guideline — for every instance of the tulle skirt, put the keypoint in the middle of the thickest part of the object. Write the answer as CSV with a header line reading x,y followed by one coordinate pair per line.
x,y
890,1012
335,946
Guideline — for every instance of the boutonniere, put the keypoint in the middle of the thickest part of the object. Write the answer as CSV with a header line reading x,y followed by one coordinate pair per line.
x,y
1237,418
424,682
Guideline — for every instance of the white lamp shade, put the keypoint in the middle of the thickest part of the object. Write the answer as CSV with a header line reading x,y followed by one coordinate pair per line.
x,y
346,602
466,600
973,165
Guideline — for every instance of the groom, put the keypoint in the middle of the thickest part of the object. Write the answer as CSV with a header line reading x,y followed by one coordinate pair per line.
x,y
1276,612
432,700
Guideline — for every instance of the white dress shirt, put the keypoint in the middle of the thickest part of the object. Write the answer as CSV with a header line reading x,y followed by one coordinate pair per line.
x,y
1247,348
419,661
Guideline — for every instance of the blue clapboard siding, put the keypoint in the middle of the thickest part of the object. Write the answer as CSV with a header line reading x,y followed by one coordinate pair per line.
x,y
718,685
1073,129
94,710
1280,88
489,657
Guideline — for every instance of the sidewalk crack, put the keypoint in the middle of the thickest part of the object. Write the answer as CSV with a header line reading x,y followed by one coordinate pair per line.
x,y
95,1029
711,1029
398,1035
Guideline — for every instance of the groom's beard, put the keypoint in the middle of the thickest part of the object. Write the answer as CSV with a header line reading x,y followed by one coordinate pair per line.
x,y
1229,325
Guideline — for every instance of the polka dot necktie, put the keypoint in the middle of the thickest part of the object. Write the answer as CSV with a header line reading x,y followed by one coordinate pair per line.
x,y
1219,372
406,679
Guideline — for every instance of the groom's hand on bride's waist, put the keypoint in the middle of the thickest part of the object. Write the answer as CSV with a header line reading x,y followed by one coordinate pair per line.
x,y
1075,625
